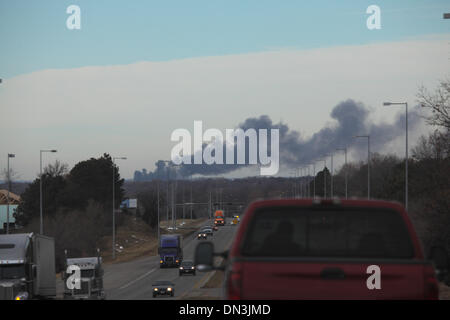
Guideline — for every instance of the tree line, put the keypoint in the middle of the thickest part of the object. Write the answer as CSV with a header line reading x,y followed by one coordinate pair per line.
x,y
77,205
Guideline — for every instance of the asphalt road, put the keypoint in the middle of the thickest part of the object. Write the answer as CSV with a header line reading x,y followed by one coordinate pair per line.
x,y
133,280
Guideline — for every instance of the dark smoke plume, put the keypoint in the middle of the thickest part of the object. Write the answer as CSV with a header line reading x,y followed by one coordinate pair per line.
x,y
351,119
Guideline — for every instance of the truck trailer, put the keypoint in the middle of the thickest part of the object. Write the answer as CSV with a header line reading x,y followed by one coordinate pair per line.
x,y
27,267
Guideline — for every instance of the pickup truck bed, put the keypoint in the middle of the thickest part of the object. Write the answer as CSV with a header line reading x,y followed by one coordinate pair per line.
x,y
305,249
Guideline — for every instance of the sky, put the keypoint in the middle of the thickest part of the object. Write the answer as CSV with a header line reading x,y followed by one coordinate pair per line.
x,y
137,70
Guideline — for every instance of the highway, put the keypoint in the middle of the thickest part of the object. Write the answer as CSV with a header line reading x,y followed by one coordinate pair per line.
x,y
132,280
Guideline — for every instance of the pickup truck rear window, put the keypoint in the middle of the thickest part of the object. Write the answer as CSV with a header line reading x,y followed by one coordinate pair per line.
x,y
327,232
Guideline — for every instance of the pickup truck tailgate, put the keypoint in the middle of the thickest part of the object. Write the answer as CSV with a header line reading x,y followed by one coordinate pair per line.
x,y
294,280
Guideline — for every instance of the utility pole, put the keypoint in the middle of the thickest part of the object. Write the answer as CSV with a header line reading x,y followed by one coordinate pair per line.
x,y
10,155
157,187
167,200
173,205
331,182
209,206
184,206
191,197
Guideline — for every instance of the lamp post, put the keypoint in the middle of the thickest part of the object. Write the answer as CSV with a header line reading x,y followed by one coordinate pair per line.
x,y
368,163
157,194
41,228
10,155
406,146
346,177
114,205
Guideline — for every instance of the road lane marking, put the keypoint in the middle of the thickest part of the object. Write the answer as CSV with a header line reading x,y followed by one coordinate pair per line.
x,y
136,280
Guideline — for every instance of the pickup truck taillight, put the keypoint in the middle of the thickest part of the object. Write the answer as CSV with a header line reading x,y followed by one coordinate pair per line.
x,y
431,286
234,282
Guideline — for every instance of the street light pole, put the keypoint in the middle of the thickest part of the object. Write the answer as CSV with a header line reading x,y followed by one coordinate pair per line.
x,y
157,187
346,177
191,198
41,216
368,163
10,155
406,147
114,205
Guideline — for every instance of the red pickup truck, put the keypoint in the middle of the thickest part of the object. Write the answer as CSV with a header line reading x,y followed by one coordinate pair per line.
x,y
325,249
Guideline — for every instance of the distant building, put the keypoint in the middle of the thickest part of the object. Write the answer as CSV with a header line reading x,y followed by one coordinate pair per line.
x,y
14,200
4,218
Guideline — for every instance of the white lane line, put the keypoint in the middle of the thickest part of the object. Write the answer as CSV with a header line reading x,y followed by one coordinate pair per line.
x,y
136,280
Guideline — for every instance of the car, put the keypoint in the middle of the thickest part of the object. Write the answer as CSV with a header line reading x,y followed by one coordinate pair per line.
x,y
201,235
163,288
208,231
326,249
187,267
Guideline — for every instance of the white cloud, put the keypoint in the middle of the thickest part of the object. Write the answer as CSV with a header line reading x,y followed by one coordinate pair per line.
x,y
132,109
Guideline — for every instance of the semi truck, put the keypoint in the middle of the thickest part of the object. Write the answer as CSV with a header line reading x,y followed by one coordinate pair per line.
x,y
90,284
27,267
219,218
170,250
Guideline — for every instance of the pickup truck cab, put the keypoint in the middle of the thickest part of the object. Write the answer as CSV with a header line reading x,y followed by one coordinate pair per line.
x,y
325,249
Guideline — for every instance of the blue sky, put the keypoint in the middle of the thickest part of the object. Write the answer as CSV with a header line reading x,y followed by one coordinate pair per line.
x,y
138,70
34,36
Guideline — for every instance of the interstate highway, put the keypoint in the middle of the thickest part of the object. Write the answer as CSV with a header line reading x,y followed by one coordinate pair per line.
x,y
132,280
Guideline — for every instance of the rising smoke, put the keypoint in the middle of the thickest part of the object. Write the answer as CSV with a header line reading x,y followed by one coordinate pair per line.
x,y
351,118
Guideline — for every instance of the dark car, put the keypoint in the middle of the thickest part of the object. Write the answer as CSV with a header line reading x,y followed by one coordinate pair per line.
x,y
208,231
163,288
326,249
187,267
202,235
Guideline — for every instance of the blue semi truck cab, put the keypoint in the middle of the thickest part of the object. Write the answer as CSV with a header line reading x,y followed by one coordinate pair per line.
x,y
170,250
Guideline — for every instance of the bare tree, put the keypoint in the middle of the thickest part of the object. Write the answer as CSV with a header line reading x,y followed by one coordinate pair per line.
x,y
8,177
436,146
56,169
438,103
